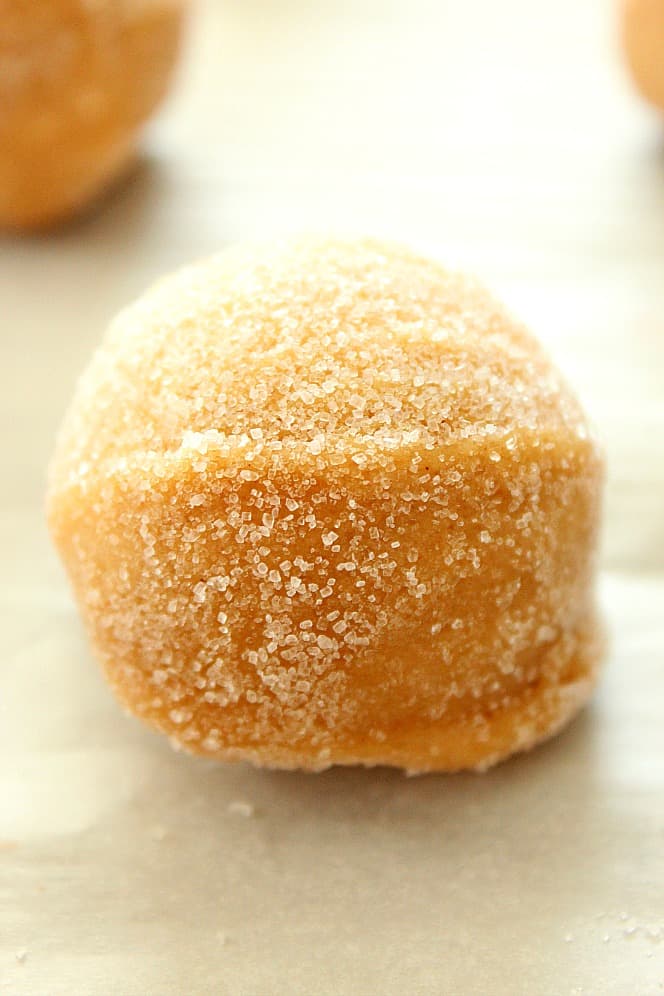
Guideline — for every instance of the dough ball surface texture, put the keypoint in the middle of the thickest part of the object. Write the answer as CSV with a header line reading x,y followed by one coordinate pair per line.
x,y
77,79
325,502
643,34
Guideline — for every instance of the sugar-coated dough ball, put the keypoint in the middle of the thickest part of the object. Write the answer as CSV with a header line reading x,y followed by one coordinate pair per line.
x,y
324,502
77,79
643,33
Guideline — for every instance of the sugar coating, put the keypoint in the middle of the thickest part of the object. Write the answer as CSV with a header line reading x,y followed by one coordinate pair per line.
x,y
326,502
77,78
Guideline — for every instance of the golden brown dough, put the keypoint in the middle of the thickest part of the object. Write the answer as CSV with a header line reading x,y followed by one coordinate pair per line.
x,y
77,79
325,502
643,34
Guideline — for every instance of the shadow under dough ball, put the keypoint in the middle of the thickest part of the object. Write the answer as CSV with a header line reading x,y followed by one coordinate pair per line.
x,y
324,502
77,79
643,37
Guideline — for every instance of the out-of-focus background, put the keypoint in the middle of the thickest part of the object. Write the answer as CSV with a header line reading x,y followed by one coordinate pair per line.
x,y
500,137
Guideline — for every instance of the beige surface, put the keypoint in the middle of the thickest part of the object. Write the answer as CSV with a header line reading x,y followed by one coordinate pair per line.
x,y
502,137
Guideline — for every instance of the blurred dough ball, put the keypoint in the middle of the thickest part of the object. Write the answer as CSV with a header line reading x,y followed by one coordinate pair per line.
x,y
643,33
325,502
77,79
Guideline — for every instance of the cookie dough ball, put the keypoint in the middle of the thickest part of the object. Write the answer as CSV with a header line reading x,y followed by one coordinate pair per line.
x,y
326,503
643,33
77,79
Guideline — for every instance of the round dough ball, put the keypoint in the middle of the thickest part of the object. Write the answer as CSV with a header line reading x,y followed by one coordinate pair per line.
x,y
643,34
77,79
324,502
